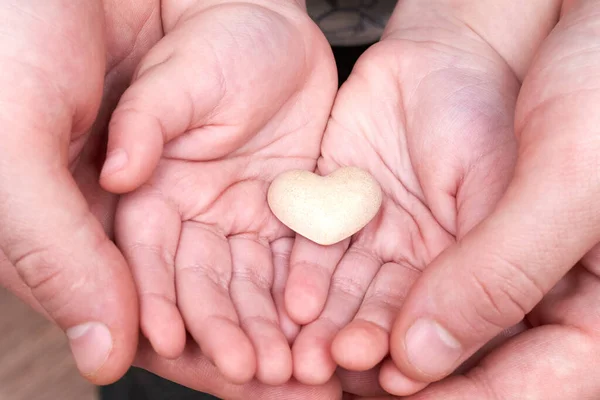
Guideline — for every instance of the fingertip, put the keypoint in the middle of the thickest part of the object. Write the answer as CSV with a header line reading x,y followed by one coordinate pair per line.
x,y
120,310
238,368
312,361
232,353
311,268
275,368
305,296
302,307
93,348
163,326
273,353
425,349
360,346
396,383
102,351
134,149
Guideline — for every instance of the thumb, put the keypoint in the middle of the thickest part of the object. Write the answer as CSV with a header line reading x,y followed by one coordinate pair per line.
x,y
501,269
546,221
62,254
157,108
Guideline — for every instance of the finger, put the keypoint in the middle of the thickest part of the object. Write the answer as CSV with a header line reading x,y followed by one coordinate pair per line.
x,y
194,370
282,250
147,231
311,352
250,289
364,342
502,268
158,107
203,275
72,269
311,268
47,231
547,362
11,281
544,363
396,383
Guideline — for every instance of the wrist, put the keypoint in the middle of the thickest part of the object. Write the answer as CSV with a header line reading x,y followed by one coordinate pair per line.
x,y
174,11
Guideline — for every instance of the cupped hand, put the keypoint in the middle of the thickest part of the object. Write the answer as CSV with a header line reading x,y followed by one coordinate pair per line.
x,y
53,57
234,94
519,261
428,111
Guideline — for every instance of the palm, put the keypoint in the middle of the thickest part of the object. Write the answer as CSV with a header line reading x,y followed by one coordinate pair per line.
x,y
429,133
563,326
200,230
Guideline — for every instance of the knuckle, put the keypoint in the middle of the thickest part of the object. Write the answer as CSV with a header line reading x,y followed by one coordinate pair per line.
x,y
50,284
385,299
254,275
505,293
38,268
259,322
348,287
165,257
353,285
162,297
217,277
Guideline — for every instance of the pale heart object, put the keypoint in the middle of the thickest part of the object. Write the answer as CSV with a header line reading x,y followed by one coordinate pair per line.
x,y
325,209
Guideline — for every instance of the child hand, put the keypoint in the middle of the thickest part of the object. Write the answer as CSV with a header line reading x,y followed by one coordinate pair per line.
x,y
234,94
437,135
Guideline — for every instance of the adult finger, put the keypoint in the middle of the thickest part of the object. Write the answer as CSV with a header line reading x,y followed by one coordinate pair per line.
x,y
550,361
194,370
501,269
48,232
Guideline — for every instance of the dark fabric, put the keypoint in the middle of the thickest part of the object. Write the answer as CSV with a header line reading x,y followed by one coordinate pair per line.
x,y
138,384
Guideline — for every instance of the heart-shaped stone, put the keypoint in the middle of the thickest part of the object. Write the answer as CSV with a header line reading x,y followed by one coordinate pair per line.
x,y
325,209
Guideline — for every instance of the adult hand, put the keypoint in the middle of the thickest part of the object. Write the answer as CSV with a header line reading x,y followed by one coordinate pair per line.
x,y
429,112
132,28
195,370
547,222
52,57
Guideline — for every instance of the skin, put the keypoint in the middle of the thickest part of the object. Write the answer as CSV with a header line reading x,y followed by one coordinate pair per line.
x,y
528,251
131,29
211,135
441,146
555,287
53,60
564,322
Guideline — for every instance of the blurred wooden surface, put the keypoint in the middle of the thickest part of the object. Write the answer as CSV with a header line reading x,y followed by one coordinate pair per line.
x,y
35,363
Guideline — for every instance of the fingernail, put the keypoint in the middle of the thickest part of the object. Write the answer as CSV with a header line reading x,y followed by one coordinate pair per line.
x,y
431,349
116,160
91,345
